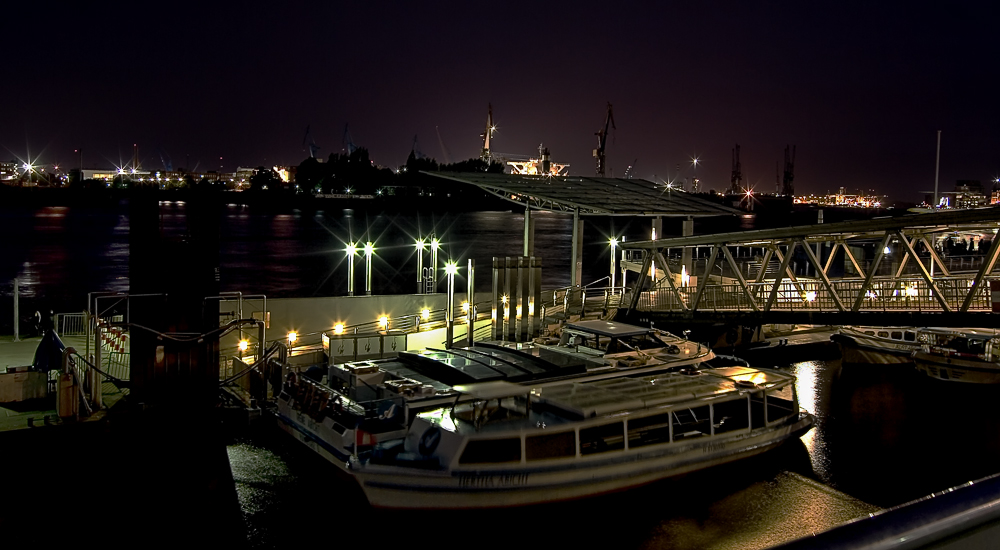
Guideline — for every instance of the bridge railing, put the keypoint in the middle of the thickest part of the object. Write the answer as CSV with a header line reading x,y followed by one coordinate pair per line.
x,y
883,294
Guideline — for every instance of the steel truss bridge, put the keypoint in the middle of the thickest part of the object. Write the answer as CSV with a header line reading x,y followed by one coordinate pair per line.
x,y
883,271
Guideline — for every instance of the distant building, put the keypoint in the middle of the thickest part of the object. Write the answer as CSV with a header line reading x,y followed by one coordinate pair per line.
x,y
862,199
9,171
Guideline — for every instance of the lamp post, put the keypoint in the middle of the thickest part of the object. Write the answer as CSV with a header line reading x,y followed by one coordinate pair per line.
x,y
435,245
450,269
614,247
369,252
420,265
352,251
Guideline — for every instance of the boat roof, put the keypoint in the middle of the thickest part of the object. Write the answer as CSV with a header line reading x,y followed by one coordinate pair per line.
x,y
601,327
492,390
600,397
967,332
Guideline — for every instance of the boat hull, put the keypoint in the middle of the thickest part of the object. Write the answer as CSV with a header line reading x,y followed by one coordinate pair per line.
x,y
957,370
864,350
520,485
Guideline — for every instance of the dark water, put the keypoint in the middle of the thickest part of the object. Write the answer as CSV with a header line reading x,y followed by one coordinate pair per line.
x,y
884,436
59,254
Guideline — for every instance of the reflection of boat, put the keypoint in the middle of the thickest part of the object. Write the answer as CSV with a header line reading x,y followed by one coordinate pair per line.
x,y
959,354
357,404
876,345
504,444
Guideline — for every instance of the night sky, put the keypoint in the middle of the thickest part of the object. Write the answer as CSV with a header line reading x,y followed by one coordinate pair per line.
x,y
859,89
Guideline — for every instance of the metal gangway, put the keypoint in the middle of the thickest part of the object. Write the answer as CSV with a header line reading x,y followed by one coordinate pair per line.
x,y
879,271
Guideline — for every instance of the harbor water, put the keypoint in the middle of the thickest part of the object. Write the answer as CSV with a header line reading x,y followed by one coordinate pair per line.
x,y
884,434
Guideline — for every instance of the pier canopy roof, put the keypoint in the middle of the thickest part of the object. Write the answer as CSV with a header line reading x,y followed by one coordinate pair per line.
x,y
592,196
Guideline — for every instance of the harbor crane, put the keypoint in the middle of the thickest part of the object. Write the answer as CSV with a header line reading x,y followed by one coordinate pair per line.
x,y
486,135
787,187
736,179
348,142
308,140
602,139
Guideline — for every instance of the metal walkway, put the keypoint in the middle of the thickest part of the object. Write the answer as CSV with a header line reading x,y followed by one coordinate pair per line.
x,y
881,271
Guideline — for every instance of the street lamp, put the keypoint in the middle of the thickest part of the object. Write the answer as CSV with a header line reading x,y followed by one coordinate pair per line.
x,y
420,265
369,251
614,246
352,251
435,245
450,269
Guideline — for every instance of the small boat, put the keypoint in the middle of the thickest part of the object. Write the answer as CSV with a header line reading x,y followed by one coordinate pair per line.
x,y
361,403
876,345
504,444
959,354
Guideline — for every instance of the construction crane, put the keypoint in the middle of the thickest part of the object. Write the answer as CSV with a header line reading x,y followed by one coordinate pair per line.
x,y
348,142
630,170
417,154
486,135
787,185
602,139
308,140
736,179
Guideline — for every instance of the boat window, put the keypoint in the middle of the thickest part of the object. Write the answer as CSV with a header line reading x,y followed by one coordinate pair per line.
x,y
601,439
757,419
780,403
910,336
693,422
883,333
870,332
897,335
731,415
649,430
479,451
559,445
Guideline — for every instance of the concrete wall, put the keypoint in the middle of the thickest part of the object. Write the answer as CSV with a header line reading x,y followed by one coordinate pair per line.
x,y
311,316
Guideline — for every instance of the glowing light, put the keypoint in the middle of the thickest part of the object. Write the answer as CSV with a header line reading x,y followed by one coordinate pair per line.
x,y
435,244
383,322
351,249
518,309
613,241
911,291
451,268
695,161
685,278
420,244
503,298
338,328
811,296
369,249
465,307
244,345
425,314
886,250
292,337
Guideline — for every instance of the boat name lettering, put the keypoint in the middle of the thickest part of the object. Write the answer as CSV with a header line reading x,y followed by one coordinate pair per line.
x,y
504,480
712,447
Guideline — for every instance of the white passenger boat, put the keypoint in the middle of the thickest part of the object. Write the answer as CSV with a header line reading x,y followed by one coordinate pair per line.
x,y
959,354
876,345
505,444
360,403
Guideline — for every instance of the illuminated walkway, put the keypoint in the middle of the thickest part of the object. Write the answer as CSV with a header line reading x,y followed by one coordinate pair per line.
x,y
881,271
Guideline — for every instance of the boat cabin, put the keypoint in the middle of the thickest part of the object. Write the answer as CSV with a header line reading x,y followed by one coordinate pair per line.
x,y
966,343
499,422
